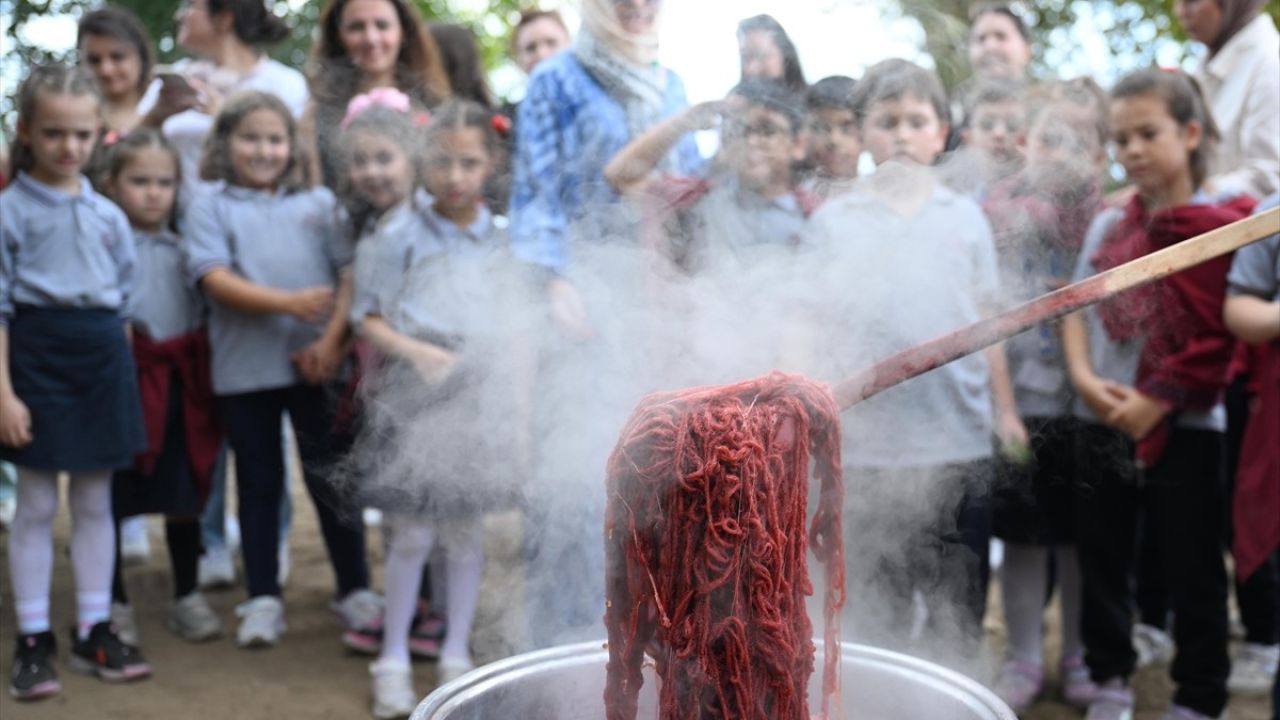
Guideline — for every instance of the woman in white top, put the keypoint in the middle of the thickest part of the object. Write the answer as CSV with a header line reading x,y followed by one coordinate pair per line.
x,y
1240,79
227,37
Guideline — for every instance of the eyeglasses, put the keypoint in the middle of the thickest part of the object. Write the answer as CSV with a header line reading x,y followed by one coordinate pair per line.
x,y
764,130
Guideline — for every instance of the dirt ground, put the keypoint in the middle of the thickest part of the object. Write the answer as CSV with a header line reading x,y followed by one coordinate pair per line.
x,y
310,674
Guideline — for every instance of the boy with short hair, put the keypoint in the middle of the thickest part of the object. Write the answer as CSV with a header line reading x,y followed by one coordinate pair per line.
x,y
994,132
750,205
899,261
835,140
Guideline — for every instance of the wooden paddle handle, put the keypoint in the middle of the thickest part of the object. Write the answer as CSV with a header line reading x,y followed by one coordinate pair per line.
x,y
965,341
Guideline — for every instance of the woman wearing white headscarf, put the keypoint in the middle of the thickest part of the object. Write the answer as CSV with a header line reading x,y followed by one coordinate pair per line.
x,y
582,107
1241,82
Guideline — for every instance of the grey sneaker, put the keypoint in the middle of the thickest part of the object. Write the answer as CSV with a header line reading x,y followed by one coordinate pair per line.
x,y
360,609
126,622
191,618
1153,645
261,622
1254,669
216,569
1114,701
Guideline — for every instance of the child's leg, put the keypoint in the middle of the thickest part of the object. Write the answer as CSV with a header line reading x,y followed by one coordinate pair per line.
x,y
1106,516
213,521
411,542
31,548
465,562
1069,590
340,523
182,535
1190,496
1022,580
252,422
93,547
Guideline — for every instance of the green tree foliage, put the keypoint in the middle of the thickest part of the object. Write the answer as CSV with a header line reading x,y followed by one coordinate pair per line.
x,y
1133,27
491,27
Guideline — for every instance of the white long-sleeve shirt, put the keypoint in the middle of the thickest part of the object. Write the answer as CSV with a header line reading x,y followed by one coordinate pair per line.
x,y
1242,86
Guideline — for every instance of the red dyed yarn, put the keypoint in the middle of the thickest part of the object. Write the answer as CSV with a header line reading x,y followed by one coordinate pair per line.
x,y
705,551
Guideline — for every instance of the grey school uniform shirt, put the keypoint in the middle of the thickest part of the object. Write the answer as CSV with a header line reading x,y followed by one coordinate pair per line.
x,y
1117,360
891,282
167,304
62,250
283,240
1256,268
731,223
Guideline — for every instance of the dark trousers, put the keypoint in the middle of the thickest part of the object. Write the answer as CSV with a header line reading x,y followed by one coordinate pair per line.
x,y
252,422
933,525
1185,495
1258,596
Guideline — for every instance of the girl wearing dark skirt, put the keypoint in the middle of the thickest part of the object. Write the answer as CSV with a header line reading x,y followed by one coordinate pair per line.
x,y
171,350
68,391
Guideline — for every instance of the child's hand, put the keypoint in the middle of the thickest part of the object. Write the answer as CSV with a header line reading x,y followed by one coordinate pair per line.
x,y
1102,396
432,363
15,422
704,115
567,310
1136,415
310,305
1014,441
319,361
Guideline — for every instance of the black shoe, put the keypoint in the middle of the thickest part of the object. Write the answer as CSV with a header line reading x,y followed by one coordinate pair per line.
x,y
33,676
104,654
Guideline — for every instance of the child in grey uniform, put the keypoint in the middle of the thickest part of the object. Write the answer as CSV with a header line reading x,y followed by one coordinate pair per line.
x,y
68,392
265,250
439,440
141,173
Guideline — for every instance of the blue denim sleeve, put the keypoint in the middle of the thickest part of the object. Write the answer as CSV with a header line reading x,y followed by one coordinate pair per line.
x,y
541,182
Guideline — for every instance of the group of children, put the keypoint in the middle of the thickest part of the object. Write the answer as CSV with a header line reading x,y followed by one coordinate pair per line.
x,y
135,339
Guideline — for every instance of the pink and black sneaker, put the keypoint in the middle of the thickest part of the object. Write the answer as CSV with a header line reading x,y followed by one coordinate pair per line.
x,y
32,676
105,655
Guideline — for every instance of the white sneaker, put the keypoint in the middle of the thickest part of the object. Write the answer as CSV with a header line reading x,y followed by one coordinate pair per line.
x,y
360,609
1254,669
1153,645
393,695
1114,701
231,533
216,570
261,622
191,618
135,546
451,669
8,506
282,564
126,622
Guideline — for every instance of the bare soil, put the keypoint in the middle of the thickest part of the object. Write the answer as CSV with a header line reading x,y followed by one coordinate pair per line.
x,y
310,674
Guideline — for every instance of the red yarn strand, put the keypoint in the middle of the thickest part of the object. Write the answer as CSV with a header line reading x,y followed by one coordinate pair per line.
x,y
706,551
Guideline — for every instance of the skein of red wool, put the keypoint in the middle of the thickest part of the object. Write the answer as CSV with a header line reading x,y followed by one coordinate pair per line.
x,y
705,548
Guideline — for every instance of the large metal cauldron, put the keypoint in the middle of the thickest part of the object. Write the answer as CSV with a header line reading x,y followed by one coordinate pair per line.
x,y
567,683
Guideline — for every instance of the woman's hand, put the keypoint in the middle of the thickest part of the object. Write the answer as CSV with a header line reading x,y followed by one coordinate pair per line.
x,y
15,422
1014,440
1136,414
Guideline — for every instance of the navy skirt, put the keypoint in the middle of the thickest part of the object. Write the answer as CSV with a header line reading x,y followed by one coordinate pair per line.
x,y
73,370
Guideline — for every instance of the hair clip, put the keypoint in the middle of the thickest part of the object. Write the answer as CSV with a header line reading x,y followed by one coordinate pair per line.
x,y
383,97
113,136
501,124
422,119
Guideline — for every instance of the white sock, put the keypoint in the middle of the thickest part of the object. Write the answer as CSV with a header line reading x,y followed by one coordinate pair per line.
x,y
1022,587
93,547
464,559
407,552
1070,587
31,548
91,609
